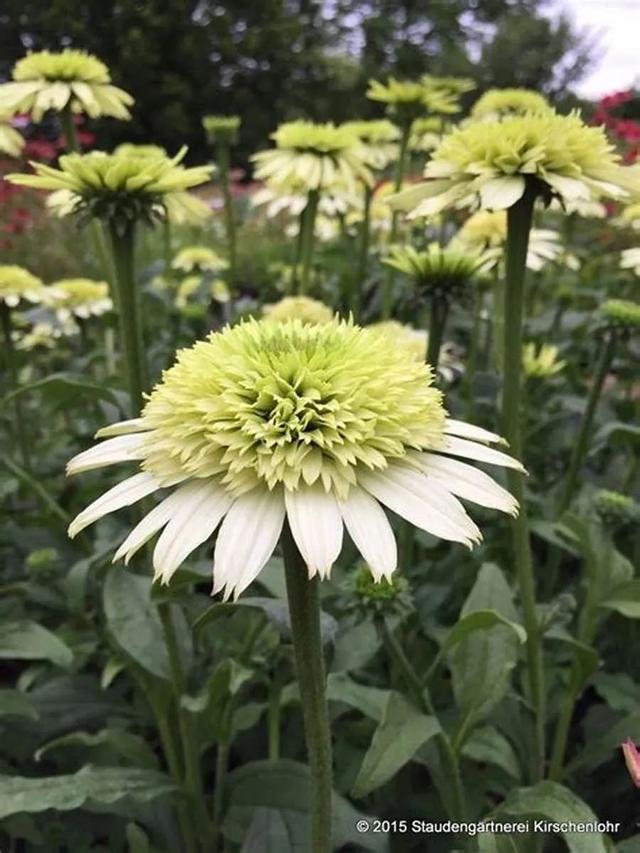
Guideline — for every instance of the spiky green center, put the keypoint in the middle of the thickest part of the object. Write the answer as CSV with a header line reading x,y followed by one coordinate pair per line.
x,y
67,66
289,403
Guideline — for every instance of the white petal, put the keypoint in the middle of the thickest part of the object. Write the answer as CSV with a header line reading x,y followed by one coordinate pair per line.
x,y
467,482
246,540
423,502
316,525
572,189
124,494
123,448
470,450
123,427
500,193
369,528
151,523
475,433
197,515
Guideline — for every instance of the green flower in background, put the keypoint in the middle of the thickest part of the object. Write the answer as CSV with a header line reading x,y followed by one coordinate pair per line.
x,y
119,187
198,258
300,308
439,271
318,423
541,362
312,156
72,79
502,103
490,163
18,284
78,298
379,140
621,314
221,128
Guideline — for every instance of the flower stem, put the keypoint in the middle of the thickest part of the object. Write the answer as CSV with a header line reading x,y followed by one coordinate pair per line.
x,y
519,218
387,284
580,447
308,224
224,162
446,753
132,349
437,321
363,258
10,361
304,610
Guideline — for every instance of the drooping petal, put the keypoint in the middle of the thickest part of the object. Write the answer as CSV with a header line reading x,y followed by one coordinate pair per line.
x,y
467,482
151,523
316,525
246,540
122,448
123,494
369,528
470,450
475,433
123,427
199,512
423,502
500,193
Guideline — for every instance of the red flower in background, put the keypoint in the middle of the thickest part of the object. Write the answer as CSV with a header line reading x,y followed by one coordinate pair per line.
x,y
620,114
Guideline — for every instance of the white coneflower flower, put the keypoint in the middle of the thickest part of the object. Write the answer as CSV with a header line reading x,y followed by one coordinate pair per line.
x,y
198,259
18,284
78,298
301,308
322,424
630,260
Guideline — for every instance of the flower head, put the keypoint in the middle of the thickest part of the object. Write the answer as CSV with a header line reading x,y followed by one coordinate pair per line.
x,y
438,271
301,308
630,260
144,152
501,103
17,284
407,100
486,231
616,509
120,187
198,258
541,362
11,140
44,335
630,216
426,134
195,291
54,81
318,423
621,314
312,156
79,298
491,164
221,128
379,140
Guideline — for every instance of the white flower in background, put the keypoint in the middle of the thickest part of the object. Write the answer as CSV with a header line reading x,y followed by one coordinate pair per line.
x,y
321,424
78,298
630,260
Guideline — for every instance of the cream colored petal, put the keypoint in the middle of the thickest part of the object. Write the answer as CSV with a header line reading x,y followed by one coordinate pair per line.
x,y
123,494
122,448
475,433
500,193
371,532
470,450
316,525
467,482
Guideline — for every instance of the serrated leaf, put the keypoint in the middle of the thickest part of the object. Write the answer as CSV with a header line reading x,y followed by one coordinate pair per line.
x,y
401,733
104,785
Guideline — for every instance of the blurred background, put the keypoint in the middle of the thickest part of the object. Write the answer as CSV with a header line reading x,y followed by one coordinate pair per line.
x,y
273,60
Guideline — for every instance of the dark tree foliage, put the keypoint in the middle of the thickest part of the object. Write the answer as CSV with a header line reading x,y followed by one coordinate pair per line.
x,y
272,60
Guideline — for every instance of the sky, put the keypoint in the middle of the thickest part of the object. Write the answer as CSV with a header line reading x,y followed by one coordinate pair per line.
x,y
617,22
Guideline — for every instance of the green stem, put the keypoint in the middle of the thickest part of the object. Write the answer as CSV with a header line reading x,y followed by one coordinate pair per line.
x,y
389,278
132,349
19,433
273,717
519,218
363,258
36,487
437,321
304,609
166,245
308,240
445,749
474,342
225,168
222,766
581,445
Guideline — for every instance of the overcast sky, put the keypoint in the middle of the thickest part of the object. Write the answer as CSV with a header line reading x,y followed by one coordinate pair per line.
x,y
618,54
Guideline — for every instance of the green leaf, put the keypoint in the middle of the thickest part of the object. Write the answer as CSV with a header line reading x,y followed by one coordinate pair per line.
x,y
64,390
133,620
276,611
401,733
619,691
124,745
354,646
489,842
104,785
15,703
268,833
489,746
556,803
481,662
480,620
604,748
371,701
624,599
26,640
284,786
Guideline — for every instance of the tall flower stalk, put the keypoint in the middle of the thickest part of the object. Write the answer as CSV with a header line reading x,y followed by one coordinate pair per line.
x,y
519,219
222,131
